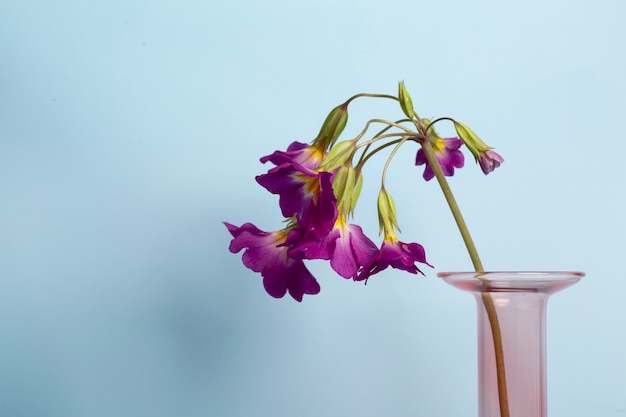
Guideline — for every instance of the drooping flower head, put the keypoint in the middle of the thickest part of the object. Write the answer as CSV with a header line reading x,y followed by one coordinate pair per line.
x,y
265,253
308,156
346,246
304,193
311,156
353,250
489,160
393,253
396,254
318,185
448,155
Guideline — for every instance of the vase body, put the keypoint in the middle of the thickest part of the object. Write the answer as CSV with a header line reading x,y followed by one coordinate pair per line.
x,y
517,301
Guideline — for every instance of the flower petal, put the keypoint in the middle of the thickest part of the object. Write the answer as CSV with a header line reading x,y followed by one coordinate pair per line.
x,y
266,253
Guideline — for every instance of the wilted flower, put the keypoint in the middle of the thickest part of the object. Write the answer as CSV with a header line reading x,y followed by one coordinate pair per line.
x,y
265,254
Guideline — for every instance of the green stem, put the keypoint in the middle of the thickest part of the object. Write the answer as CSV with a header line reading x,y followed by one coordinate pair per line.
x,y
390,157
454,207
478,267
393,124
377,136
375,139
371,96
498,348
365,157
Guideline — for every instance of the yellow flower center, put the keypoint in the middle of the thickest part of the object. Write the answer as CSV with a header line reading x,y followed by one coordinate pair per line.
x,y
438,145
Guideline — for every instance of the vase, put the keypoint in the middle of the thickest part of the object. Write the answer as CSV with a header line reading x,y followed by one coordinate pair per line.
x,y
511,364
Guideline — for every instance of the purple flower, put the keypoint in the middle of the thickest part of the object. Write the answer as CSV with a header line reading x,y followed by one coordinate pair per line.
x,y
448,155
398,255
489,160
300,153
346,246
304,193
265,254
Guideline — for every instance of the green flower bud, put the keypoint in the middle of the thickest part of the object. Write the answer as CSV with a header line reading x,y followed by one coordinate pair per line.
x,y
341,184
387,218
333,126
483,153
405,100
338,155
476,146
347,187
356,192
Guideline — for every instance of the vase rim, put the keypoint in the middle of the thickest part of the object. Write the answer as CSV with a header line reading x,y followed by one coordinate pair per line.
x,y
512,281
512,274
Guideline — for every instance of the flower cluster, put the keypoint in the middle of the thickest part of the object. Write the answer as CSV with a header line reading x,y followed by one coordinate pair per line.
x,y
318,186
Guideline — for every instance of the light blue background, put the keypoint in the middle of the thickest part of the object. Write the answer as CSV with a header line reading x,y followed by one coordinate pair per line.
x,y
130,130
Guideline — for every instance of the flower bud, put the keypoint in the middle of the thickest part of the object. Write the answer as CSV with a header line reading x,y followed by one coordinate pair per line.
x,y
471,139
356,191
347,188
387,218
338,155
488,159
333,126
405,100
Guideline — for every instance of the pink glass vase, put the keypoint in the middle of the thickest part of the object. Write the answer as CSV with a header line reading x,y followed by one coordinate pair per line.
x,y
518,300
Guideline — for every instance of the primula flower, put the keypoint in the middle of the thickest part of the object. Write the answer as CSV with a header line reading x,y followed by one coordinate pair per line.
x,y
305,194
489,160
448,155
346,246
396,254
319,184
301,153
265,254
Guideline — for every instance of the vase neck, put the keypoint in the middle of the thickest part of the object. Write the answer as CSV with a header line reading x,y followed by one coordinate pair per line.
x,y
511,337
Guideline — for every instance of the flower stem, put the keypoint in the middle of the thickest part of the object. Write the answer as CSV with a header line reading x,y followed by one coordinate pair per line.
x,y
503,396
478,267
454,207
371,96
